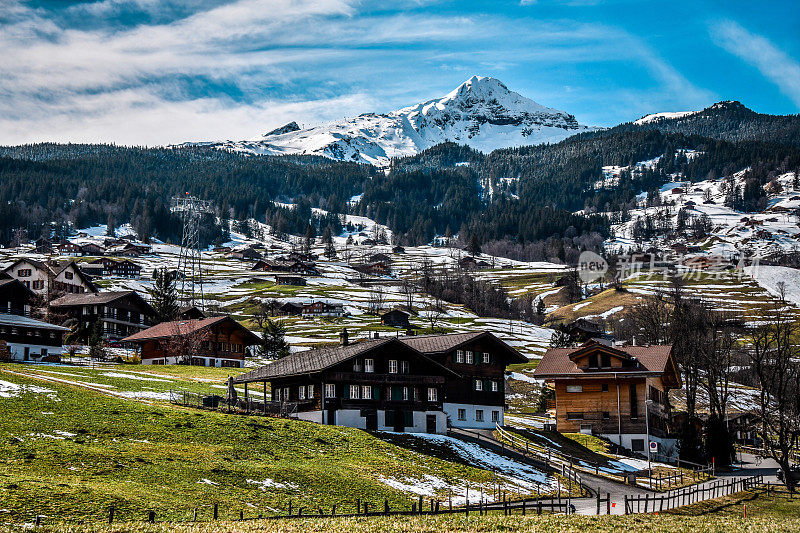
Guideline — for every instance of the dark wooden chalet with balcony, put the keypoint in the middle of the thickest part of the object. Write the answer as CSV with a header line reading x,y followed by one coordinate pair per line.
x,y
376,384
476,399
120,313
15,297
215,341
416,383
617,392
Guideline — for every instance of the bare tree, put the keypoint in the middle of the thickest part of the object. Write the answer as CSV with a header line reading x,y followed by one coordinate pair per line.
x,y
375,300
407,289
775,359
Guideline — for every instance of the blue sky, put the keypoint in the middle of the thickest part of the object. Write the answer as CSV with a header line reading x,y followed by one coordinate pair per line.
x,y
166,71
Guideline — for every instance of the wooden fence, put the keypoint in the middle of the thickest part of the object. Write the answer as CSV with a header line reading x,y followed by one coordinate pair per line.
x,y
652,503
656,481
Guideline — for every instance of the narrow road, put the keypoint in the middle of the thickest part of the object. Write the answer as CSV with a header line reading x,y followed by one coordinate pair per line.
x,y
748,466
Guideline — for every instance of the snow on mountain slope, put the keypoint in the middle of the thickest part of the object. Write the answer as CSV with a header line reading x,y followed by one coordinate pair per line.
x,y
481,112
655,117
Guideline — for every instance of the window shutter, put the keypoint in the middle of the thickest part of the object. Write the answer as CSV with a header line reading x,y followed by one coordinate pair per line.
x,y
346,392
376,392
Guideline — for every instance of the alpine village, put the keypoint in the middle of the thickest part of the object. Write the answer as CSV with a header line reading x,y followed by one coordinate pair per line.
x,y
474,313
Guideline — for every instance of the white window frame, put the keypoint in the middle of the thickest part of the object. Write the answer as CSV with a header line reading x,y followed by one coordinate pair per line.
x,y
470,357
495,386
479,415
405,367
310,392
405,394
355,392
459,356
574,388
330,390
478,385
301,392
366,392
433,394
369,365
393,366
285,395
487,358
495,416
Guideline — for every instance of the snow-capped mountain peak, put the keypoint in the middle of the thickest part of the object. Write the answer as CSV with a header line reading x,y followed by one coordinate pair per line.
x,y
481,112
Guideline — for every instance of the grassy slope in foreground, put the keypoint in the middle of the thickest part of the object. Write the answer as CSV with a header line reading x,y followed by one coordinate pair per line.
x,y
71,453
767,511
441,524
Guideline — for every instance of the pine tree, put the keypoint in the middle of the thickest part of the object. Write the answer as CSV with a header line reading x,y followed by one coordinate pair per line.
x,y
164,296
110,225
309,240
96,348
474,247
273,344
327,240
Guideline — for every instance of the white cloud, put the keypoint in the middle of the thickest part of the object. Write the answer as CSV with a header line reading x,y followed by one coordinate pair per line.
x,y
237,69
773,63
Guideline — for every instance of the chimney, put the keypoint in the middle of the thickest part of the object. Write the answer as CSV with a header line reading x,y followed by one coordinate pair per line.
x,y
344,337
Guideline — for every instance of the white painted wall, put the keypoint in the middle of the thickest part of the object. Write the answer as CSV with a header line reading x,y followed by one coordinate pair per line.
x,y
451,409
666,447
18,351
352,418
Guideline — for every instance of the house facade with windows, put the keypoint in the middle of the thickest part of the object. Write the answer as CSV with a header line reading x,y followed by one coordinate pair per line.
x,y
420,383
476,398
50,279
217,341
15,297
376,384
617,392
120,313
25,339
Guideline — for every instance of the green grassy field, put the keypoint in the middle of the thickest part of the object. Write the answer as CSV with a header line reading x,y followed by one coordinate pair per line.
x,y
69,453
473,524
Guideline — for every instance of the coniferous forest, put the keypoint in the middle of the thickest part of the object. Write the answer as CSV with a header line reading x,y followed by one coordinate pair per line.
x,y
535,202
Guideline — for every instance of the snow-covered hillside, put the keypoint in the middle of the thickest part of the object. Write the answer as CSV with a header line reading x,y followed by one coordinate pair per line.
x,y
481,112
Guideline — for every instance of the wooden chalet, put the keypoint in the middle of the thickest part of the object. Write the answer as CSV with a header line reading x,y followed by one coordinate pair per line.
x,y
69,248
377,384
92,249
42,246
120,313
216,341
322,309
15,297
420,383
291,309
188,312
124,268
395,318
27,339
378,268
617,392
296,281
50,279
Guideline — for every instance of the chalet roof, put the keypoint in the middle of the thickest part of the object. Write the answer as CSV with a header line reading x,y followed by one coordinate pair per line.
x,y
27,322
100,298
311,361
559,362
187,327
435,344
55,268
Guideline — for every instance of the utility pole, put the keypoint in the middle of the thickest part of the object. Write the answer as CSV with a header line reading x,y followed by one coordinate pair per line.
x,y
191,210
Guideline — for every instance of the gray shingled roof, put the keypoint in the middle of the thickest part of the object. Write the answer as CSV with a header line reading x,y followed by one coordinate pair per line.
x,y
101,298
437,344
311,361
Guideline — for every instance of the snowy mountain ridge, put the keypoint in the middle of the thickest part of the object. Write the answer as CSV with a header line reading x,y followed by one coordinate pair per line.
x,y
481,112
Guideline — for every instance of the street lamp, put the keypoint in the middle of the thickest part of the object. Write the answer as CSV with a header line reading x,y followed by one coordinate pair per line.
x,y
647,404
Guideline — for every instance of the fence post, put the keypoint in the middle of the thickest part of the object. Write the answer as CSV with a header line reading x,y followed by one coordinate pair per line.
x,y
386,506
538,507
241,515
290,509
626,504
523,507
195,514
598,500
151,516
111,514
608,503
358,506
333,510
419,507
